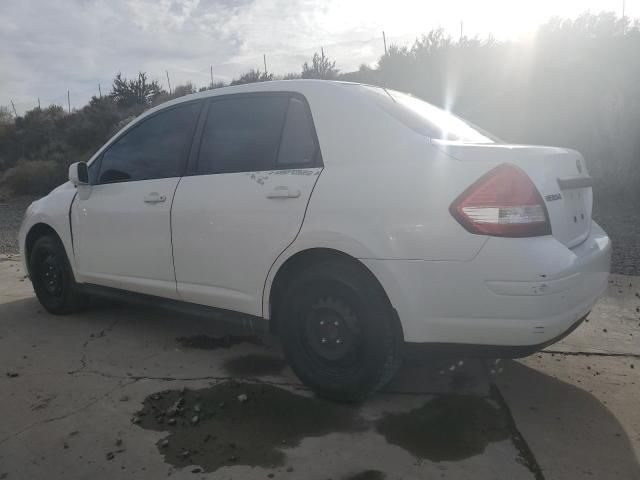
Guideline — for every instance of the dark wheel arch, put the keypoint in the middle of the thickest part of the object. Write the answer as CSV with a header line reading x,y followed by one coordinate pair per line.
x,y
52,276
303,260
37,231
338,330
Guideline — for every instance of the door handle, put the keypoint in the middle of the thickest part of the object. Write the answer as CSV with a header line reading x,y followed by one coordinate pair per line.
x,y
283,192
154,197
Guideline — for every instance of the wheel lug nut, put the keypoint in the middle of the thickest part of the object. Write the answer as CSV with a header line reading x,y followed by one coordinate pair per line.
x,y
338,341
321,322
324,340
336,323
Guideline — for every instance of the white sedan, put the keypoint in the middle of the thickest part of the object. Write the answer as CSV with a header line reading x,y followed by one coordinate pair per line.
x,y
350,220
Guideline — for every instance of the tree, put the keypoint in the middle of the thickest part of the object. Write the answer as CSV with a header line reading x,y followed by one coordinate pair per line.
x,y
137,91
252,76
212,86
182,90
5,116
321,67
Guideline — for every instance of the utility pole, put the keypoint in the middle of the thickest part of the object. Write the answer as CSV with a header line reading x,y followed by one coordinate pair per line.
x,y
39,108
14,109
461,30
99,91
384,39
211,69
168,81
69,101
264,58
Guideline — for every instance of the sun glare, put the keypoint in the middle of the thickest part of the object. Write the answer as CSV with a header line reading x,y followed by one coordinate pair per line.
x,y
503,19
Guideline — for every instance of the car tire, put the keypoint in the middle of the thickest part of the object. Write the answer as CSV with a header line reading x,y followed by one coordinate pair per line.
x,y
52,277
339,331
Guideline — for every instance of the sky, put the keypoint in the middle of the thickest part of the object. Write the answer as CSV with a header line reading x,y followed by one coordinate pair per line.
x,y
48,47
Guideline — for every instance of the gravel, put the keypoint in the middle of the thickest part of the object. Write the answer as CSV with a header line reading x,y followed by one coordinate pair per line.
x,y
620,219
11,213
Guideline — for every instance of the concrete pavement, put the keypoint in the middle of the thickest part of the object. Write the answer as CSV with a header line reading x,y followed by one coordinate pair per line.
x,y
122,391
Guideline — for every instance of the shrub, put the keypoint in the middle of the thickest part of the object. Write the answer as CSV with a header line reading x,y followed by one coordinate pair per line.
x,y
35,177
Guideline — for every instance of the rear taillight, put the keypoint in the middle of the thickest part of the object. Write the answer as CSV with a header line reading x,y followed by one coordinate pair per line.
x,y
503,203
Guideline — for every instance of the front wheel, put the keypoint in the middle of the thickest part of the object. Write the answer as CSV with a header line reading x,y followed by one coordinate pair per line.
x,y
52,277
339,332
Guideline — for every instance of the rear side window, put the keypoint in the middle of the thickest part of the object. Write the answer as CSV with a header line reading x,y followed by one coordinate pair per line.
x,y
153,149
298,147
427,119
242,134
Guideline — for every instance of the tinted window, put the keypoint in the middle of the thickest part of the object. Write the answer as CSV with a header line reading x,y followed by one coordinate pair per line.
x,y
93,171
298,140
154,149
242,134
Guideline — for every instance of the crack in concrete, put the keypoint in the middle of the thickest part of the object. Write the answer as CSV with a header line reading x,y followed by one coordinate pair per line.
x,y
213,378
92,337
527,458
591,354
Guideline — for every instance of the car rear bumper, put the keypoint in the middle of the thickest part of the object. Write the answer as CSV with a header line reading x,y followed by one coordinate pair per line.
x,y
419,351
515,292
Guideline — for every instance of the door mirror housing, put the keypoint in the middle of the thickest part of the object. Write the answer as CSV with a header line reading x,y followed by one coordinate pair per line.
x,y
79,173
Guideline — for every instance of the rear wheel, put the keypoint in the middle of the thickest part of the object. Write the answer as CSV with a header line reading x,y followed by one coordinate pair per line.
x,y
52,277
338,331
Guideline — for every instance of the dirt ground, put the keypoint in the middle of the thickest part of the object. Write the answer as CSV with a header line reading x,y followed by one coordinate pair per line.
x,y
123,391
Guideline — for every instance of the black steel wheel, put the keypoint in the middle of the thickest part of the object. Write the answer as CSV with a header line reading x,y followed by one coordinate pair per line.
x,y
52,277
339,331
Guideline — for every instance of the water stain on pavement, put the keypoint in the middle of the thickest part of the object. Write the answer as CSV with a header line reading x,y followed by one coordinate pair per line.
x,y
447,428
367,475
255,365
234,423
205,342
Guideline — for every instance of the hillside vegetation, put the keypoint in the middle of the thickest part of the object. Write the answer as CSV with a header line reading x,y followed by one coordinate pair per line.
x,y
576,84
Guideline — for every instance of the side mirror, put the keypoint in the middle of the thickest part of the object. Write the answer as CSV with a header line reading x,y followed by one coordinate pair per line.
x,y
79,173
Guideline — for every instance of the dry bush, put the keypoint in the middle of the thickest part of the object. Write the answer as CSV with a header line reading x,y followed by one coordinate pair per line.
x,y
35,177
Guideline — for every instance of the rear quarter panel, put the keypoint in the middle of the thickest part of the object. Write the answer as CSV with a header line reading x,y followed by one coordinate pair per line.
x,y
384,189
384,193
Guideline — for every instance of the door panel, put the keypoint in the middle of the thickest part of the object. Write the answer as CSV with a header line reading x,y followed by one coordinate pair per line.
x,y
122,240
228,230
245,199
122,224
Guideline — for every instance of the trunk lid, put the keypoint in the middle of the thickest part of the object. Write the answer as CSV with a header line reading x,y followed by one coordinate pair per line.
x,y
559,174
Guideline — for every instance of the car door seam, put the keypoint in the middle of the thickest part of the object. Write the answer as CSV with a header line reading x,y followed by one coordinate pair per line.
x,y
73,246
173,259
304,216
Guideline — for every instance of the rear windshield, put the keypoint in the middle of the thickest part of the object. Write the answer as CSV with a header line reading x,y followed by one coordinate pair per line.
x,y
426,119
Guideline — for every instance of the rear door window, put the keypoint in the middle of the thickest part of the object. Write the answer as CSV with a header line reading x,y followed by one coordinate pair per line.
x,y
242,134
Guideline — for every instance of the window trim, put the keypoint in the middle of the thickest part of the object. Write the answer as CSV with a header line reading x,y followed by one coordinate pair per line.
x,y
317,162
186,148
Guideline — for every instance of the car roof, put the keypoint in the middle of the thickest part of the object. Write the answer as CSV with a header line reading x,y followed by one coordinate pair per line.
x,y
302,86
